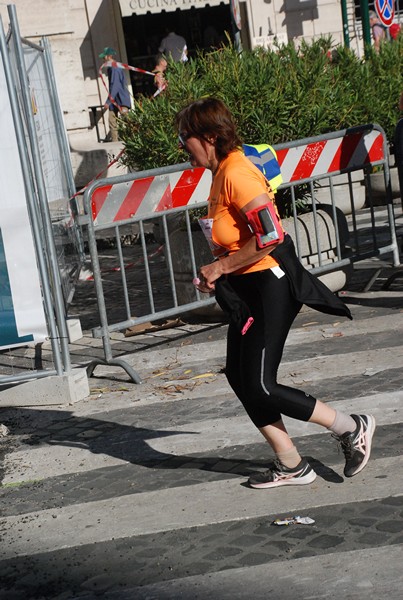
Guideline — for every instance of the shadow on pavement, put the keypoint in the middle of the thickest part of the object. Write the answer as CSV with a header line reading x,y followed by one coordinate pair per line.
x,y
129,443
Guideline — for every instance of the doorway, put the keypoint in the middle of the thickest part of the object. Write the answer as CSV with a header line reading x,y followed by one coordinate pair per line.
x,y
202,28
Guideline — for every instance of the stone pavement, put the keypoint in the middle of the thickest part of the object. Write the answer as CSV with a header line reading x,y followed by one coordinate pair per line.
x,y
138,492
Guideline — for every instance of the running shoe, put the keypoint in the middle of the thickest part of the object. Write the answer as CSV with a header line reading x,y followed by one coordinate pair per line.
x,y
356,445
278,475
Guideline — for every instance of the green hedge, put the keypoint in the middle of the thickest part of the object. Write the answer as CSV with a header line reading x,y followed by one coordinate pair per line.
x,y
275,96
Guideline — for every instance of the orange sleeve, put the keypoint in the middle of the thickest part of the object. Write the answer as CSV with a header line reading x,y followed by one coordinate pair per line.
x,y
244,184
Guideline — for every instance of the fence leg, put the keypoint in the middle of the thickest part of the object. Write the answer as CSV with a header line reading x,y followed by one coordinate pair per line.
x,y
117,362
391,279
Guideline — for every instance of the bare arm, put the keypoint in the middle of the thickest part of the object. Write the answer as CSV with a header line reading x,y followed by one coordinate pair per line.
x,y
247,255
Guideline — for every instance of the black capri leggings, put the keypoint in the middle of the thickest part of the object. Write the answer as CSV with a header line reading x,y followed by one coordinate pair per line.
x,y
253,359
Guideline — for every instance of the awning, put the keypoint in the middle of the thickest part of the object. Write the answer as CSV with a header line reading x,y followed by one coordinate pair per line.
x,y
141,7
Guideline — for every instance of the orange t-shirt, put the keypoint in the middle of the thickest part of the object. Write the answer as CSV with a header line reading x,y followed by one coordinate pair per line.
x,y
237,181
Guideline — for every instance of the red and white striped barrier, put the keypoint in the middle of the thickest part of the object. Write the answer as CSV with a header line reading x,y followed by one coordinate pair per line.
x,y
111,204
141,197
330,156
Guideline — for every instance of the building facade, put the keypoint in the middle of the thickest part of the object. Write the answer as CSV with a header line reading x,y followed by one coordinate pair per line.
x,y
78,30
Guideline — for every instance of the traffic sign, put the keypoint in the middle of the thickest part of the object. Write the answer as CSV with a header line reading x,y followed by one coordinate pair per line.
x,y
385,9
236,13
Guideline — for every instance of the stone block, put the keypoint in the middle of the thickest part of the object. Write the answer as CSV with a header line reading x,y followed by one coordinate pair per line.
x,y
59,390
309,244
90,159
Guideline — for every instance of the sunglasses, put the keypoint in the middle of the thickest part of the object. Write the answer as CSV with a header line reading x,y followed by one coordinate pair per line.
x,y
183,138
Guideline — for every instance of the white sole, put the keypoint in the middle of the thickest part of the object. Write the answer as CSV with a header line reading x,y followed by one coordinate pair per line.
x,y
309,478
368,440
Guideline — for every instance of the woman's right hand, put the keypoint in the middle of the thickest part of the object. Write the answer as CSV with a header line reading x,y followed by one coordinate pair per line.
x,y
201,286
209,275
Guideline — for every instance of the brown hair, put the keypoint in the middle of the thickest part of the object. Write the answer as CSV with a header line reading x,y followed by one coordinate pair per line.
x,y
210,117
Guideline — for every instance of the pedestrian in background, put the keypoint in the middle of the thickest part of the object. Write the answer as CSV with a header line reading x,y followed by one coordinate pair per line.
x,y
378,30
159,73
118,101
271,282
174,46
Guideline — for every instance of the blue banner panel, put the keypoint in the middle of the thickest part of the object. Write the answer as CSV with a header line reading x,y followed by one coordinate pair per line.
x,y
8,326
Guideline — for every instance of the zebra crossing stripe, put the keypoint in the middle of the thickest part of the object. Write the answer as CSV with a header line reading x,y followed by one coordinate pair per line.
x,y
152,514
195,506
316,576
210,434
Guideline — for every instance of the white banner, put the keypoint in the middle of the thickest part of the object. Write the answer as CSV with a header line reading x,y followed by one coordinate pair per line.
x,y
141,7
22,318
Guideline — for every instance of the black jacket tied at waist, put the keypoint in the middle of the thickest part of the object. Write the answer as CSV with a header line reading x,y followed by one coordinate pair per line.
x,y
305,287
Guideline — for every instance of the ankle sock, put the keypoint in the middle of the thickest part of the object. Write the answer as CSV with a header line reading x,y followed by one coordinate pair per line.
x,y
289,458
342,424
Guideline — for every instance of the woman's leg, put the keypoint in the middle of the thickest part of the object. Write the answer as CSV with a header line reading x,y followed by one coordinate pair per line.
x,y
277,436
253,359
246,364
323,415
253,362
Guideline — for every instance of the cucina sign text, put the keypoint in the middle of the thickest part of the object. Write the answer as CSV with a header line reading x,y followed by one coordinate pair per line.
x,y
152,5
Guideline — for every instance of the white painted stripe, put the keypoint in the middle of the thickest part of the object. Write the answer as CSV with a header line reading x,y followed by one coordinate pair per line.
x,y
171,361
194,506
153,196
342,365
353,363
214,434
308,334
174,178
202,191
344,328
325,159
291,162
39,462
112,204
371,573
363,149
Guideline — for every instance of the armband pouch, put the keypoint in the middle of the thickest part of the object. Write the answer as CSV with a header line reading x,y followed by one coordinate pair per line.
x,y
264,223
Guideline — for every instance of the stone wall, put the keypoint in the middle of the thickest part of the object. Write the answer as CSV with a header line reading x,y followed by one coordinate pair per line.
x,y
77,30
297,18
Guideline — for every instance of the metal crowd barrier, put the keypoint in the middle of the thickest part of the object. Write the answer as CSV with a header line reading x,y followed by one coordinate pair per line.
x,y
164,195
23,63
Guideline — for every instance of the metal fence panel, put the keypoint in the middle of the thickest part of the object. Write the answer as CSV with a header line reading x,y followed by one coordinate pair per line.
x,y
47,181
